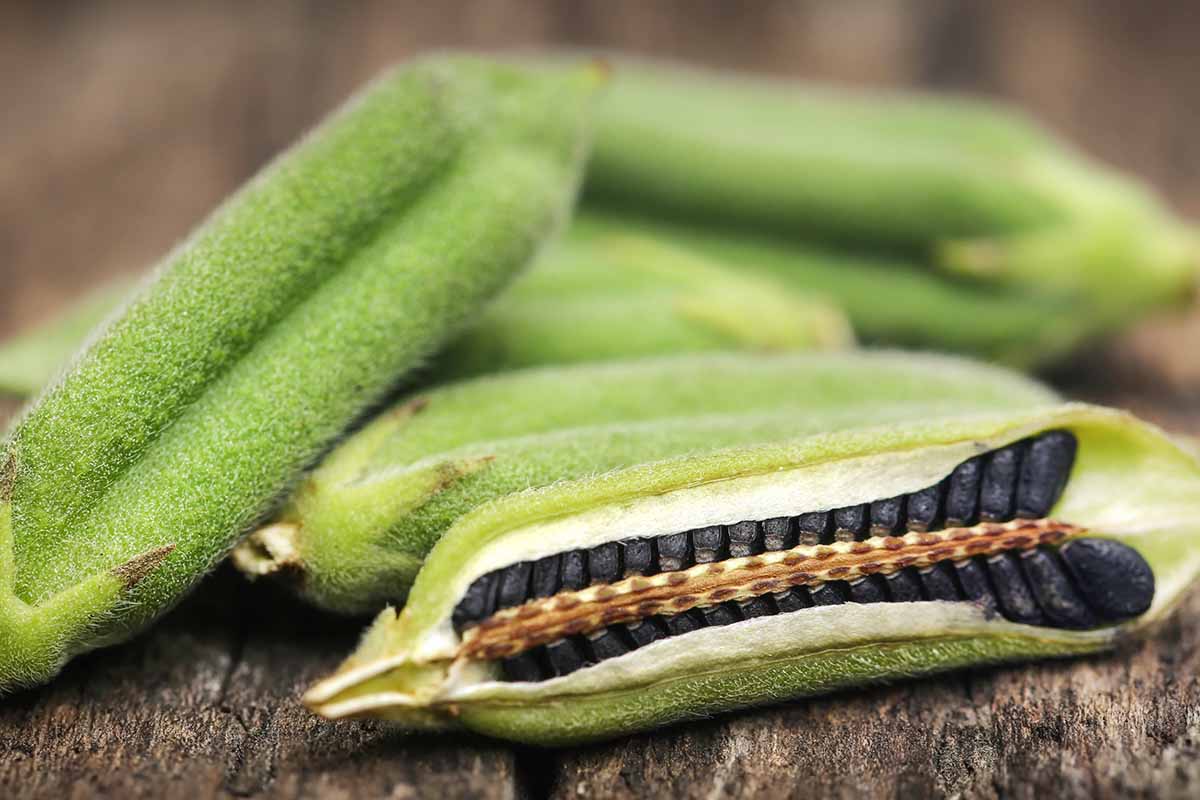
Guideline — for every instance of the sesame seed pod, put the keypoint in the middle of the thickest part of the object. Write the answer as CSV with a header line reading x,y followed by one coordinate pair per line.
x,y
963,189
355,532
890,299
1115,552
293,308
894,169
597,293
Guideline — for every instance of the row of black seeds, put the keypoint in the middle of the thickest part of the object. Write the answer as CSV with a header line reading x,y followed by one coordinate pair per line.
x,y
1023,479
1084,584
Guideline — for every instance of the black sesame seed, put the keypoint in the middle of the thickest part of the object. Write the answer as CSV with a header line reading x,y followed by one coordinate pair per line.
x,y
867,590
779,533
604,563
756,607
973,579
1044,473
638,556
1114,579
815,528
1054,590
545,579
850,523
887,516
830,593
574,570
745,539
525,667
998,487
674,552
793,599
962,493
608,643
904,586
514,585
708,544
723,614
478,602
925,507
938,583
1017,602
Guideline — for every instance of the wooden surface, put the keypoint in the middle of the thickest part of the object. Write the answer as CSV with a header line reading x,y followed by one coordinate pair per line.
x,y
124,122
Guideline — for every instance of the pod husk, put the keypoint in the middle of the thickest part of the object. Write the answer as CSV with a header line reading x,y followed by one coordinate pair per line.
x,y
1130,482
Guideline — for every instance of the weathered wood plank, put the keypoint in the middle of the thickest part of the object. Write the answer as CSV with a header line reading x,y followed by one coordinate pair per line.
x,y
206,705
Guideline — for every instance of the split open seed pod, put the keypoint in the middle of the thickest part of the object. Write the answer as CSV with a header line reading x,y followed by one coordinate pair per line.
x,y
864,545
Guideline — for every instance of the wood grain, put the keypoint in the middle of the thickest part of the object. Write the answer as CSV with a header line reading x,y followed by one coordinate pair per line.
x,y
125,122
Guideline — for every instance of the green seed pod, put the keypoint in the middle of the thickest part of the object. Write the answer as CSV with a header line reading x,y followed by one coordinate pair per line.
x,y
946,185
291,310
892,169
354,534
870,547
891,300
598,293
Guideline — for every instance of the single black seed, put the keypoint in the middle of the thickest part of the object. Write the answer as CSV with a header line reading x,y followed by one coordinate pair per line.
x,y
604,563
524,667
904,586
938,582
1017,602
756,607
745,539
1062,604
674,552
925,508
779,534
684,622
723,614
514,585
1044,473
793,599
973,580
815,528
638,556
478,602
574,570
998,486
962,493
1114,578
708,544
545,579
648,630
867,590
830,593
608,643
566,655
887,516
850,523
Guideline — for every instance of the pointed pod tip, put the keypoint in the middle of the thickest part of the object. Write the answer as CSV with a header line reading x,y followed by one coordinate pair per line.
x,y
136,569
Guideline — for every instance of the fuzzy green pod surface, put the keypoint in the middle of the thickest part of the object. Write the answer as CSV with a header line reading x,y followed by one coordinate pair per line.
x,y
969,192
913,533
599,292
294,307
354,534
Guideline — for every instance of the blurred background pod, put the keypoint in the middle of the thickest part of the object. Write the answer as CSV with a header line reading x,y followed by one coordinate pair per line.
x,y
970,193
601,291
